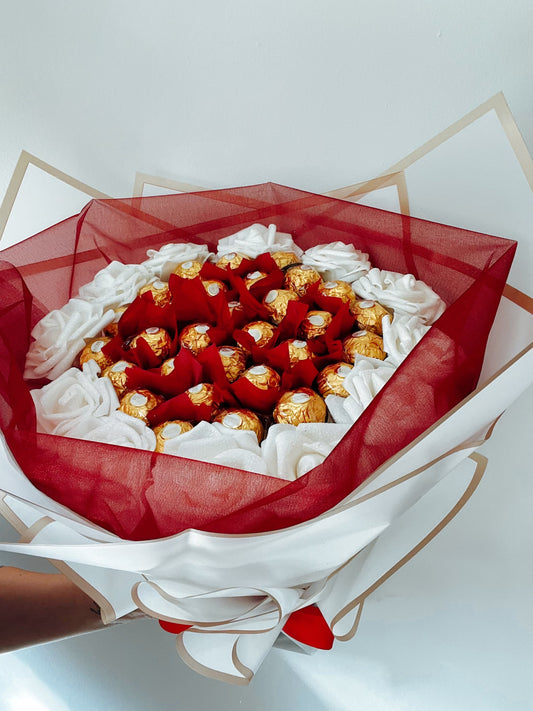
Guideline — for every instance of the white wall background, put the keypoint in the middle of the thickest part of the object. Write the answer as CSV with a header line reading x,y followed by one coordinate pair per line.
x,y
314,95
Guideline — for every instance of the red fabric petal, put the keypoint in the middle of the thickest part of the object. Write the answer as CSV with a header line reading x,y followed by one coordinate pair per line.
x,y
308,626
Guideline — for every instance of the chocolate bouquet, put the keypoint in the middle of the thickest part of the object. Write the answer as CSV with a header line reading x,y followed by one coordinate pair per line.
x,y
170,326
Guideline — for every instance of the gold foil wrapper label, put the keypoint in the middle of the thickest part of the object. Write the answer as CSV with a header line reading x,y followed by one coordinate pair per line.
x,y
138,400
152,330
97,346
157,339
315,324
260,331
214,287
255,333
231,260
284,259
330,380
117,375
202,394
277,302
195,337
93,351
369,315
138,403
195,389
262,376
317,320
258,370
271,296
338,289
233,420
159,291
298,350
201,328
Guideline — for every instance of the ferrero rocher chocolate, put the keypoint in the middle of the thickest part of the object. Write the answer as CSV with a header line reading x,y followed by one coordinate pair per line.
x,y
260,331
202,394
298,350
138,403
231,260
298,406
157,339
284,259
234,361
240,419
167,367
93,351
363,343
188,270
159,290
369,315
214,286
235,307
330,381
111,329
195,337
252,277
300,278
338,289
117,375
169,430
277,303
315,324
262,376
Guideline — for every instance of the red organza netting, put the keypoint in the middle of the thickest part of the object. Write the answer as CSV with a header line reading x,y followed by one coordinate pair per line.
x,y
146,495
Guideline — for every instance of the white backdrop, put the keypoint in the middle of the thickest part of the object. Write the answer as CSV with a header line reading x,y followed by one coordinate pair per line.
x,y
315,95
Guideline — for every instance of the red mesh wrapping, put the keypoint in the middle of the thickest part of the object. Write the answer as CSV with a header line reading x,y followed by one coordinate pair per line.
x,y
147,495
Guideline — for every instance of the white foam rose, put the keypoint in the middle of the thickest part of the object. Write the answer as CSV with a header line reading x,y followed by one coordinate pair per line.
x,y
116,285
72,397
117,428
401,336
256,239
59,337
337,261
401,292
162,262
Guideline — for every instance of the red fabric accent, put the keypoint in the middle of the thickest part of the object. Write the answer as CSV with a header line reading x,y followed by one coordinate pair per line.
x,y
138,494
308,626
173,627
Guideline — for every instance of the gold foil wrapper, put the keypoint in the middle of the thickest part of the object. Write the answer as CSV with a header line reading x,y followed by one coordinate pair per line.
x,y
157,339
241,419
260,331
170,430
111,329
189,269
277,303
369,315
298,406
298,350
117,375
93,351
234,361
202,394
263,377
214,287
363,343
167,367
315,324
252,277
235,307
330,380
138,403
300,278
195,337
338,289
159,290
285,259
231,260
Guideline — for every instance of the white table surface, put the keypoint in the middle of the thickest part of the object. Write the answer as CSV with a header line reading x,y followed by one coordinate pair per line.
x,y
315,95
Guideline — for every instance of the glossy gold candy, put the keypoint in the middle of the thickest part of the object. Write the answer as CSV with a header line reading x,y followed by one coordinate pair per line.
x,y
202,394
263,377
363,343
300,278
234,361
157,339
298,350
298,406
240,419
284,259
315,324
195,337
159,290
138,403
111,329
214,286
260,331
277,303
167,367
369,315
338,289
253,277
189,269
331,379
117,375
169,430
93,351
231,260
